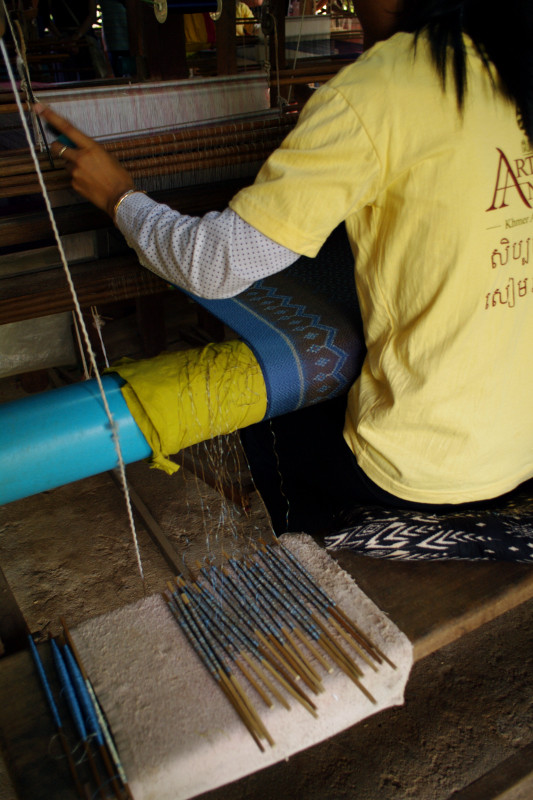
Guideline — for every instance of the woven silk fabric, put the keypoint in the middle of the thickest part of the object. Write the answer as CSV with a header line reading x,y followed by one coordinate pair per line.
x,y
303,327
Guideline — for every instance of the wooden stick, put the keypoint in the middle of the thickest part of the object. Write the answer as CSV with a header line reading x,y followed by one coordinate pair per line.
x,y
303,660
341,652
293,690
214,647
303,615
199,133
267,650
273,616
244,640
71,766
270,686
251,709
353,643
306,641
56,717
277,607
251,680
242,713
221,636
320,599
339,614
278,654
209,647
330,603
307,674
209,664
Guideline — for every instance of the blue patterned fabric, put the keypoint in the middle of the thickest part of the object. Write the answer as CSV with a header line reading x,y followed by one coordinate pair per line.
x,y
501,531
303,327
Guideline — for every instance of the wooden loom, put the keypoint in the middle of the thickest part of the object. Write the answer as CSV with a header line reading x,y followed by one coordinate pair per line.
x,y
193,169
451,617
216,147
200,183
172,140
168,154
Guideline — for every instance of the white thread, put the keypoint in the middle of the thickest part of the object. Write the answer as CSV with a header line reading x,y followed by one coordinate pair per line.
x,y
121,466
86,373
105,730
296,54
99,323
280,100
22,65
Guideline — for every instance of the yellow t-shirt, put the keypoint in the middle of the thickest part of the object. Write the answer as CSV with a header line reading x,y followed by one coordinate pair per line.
x,y
439,210
243,12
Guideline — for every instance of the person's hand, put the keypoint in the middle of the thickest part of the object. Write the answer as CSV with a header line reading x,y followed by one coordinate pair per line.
x,y
95,174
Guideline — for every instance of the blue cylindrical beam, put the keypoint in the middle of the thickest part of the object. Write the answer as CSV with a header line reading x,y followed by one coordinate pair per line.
x,y
60,436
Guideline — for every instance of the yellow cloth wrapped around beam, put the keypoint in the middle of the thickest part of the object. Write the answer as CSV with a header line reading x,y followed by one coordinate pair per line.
x,y
179,399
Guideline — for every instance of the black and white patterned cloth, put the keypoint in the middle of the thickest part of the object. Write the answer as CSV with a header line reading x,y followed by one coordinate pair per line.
x,y
501,531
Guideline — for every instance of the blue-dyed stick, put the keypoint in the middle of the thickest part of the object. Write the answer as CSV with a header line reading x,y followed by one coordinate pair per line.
x,y
101,723
209,661
75,711
335,610
89,714
242,641
56,716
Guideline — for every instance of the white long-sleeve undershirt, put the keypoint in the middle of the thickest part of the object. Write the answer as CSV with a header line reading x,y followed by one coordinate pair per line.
x,y
215,256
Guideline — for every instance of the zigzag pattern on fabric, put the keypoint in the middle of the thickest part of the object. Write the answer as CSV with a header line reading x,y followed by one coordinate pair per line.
x,y
503,531
302,326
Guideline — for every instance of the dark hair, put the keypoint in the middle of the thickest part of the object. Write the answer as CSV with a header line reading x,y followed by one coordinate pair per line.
x,y
502,34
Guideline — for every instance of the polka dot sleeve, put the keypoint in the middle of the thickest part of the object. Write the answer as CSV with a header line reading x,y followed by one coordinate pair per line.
x,y
215,256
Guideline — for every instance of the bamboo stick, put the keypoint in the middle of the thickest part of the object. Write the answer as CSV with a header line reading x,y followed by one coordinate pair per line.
x,y
244,643
214,669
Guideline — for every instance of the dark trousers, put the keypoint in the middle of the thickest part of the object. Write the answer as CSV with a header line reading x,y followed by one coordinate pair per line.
x,y
307,475
305,472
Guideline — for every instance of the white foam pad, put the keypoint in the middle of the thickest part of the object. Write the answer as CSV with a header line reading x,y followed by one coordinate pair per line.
x,y
177,734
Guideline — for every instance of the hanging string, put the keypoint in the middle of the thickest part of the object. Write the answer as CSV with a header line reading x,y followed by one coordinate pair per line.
x,y
297,53
99,323
86,373
22,64
280,100
25,82
121,469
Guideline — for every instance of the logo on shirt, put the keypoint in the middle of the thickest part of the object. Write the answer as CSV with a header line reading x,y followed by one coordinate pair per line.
x,y
514,181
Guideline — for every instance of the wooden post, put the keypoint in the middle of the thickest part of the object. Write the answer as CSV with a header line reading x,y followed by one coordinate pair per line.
x,y
277,53
226,40
163,44
133,9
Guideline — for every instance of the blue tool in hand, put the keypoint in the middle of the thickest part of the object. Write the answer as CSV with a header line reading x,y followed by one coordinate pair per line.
x,y
59,136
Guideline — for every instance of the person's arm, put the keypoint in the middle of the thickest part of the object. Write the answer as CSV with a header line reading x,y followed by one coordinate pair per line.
x,y
218,255
214,256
